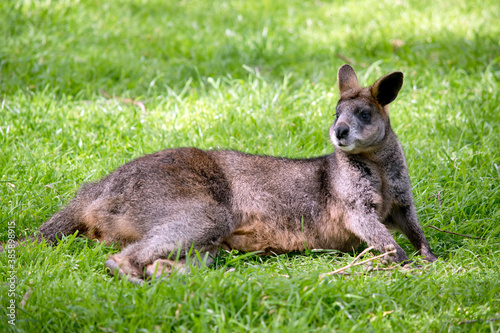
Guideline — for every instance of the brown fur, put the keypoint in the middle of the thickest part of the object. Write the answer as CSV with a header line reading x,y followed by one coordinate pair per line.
x,y
161,205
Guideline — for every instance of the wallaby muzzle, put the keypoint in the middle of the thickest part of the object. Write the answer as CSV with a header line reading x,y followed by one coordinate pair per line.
x,y
341,131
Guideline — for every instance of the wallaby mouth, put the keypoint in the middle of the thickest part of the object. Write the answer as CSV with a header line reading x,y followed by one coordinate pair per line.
x,y
343,144
346,148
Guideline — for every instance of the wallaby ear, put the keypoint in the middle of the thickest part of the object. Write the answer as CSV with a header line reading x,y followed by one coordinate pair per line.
x,y
386,89
347,79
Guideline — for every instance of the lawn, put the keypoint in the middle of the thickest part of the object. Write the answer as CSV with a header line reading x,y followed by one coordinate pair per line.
x,y
88,85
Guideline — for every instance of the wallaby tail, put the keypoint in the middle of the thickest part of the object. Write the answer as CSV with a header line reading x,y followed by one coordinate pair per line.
x,y
63,223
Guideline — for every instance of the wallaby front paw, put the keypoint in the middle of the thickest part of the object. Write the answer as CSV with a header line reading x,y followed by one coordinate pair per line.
x,y
390,255
410,265
428,255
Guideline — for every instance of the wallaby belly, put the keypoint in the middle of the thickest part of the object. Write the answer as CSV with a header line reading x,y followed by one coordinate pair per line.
x,y
256,233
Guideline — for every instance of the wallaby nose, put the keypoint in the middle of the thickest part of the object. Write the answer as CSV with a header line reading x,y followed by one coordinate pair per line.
x,y
341,131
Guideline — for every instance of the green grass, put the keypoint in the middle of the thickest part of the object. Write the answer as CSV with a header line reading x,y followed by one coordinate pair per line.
x,y
256,76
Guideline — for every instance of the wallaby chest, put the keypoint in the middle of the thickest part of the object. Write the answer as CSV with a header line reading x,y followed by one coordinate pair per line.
x,y
363,185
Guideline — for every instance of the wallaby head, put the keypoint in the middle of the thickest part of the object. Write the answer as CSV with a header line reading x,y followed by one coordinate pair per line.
x,y
362,113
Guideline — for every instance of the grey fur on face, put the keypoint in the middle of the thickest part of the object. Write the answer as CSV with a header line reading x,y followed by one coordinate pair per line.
x,y
160,206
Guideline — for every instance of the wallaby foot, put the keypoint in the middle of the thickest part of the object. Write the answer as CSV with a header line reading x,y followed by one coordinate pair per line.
x,y
125,268
122,267
162,268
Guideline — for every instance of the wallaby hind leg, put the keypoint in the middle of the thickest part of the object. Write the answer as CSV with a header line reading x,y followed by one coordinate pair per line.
x,y
200,229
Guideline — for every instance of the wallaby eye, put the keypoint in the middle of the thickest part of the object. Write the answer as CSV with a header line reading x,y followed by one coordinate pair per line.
x,y
365,115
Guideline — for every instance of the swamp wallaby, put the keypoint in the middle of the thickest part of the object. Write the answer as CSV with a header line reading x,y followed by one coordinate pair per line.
x,y
159,206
